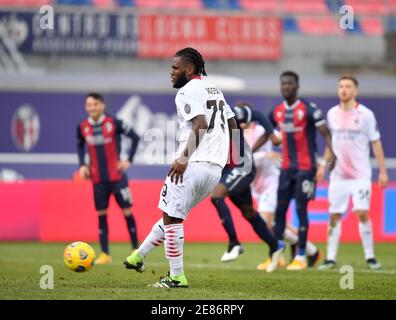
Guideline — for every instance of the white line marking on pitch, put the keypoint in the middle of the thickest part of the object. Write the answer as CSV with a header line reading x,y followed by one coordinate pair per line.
x,y
228,266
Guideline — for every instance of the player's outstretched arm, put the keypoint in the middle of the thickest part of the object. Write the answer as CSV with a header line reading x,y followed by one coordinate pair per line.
x,y
379,155
198,130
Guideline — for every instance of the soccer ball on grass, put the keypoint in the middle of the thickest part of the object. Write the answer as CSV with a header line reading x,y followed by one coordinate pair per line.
x,y
79,256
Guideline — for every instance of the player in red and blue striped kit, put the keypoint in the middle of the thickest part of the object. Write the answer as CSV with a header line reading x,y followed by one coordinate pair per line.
x,y
107,167
298,121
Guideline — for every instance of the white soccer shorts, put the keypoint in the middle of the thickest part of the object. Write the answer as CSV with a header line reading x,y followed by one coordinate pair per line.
x,y
199,180
266,193
340,191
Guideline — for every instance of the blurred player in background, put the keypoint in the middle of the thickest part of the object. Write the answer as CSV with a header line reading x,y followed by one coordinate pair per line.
x,y
265,187
205,121
298,121
235,183
353,127
107,167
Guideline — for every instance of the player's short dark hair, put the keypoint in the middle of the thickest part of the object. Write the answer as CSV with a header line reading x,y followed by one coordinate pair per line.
x,y
96,96
193,56
289,73
349,77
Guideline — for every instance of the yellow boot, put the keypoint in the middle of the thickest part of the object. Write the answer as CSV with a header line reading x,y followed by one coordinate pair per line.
x,y
264,265
297,265
103,258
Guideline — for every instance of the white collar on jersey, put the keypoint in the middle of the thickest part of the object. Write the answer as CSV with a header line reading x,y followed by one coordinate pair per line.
x,y
99,121
292,106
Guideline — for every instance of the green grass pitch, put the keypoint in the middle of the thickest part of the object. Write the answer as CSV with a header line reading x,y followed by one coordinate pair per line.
x,y
208,278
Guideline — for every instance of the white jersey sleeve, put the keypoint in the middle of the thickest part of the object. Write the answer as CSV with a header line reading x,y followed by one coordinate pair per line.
x,y
372,127
228,112
190,104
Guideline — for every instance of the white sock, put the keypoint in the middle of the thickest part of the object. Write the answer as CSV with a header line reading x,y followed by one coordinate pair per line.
x,y
333,241
154,238
366,234
174,241
310,249
290,237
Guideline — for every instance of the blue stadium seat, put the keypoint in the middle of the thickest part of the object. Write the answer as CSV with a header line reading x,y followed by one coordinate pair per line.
x,y
234,4
73,2
334,5
290,25
221,4
391,24
125,3
211,4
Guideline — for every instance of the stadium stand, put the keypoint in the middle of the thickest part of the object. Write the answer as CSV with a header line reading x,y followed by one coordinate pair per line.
x,y
323,25
25,3
314,17
171,4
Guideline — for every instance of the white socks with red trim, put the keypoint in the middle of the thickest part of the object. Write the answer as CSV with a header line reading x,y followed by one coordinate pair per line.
x,y
174,241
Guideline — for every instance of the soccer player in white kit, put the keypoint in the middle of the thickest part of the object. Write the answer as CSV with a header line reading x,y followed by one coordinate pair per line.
x,y
205,123
353,127
265,189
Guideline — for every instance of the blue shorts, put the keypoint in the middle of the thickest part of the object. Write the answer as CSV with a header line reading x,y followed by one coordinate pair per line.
x,y
238,184
297,184
119,189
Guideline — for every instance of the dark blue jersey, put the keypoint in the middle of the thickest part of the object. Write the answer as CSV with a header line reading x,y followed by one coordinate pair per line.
x,y
245,114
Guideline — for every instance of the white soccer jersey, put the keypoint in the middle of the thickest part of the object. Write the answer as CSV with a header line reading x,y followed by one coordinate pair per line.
x,y
352,131
201,97
268,167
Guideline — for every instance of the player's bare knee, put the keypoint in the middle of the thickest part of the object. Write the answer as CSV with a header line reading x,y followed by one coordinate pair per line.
x,y
363,216
126,212
102,212
171,220
220,191
334,219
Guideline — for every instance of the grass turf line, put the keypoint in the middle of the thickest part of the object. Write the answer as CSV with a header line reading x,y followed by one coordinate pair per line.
x,y
208,277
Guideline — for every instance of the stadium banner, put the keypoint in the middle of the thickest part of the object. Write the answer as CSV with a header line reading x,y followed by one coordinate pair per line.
x,y
146,35
64,211
73,32
218,37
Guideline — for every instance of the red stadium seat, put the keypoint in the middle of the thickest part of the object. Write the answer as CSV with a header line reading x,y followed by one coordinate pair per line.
x,y
150,3
172,4
369,7
392,6
182,4
306,6
372,26
104,3
23,3
315,25
268,5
